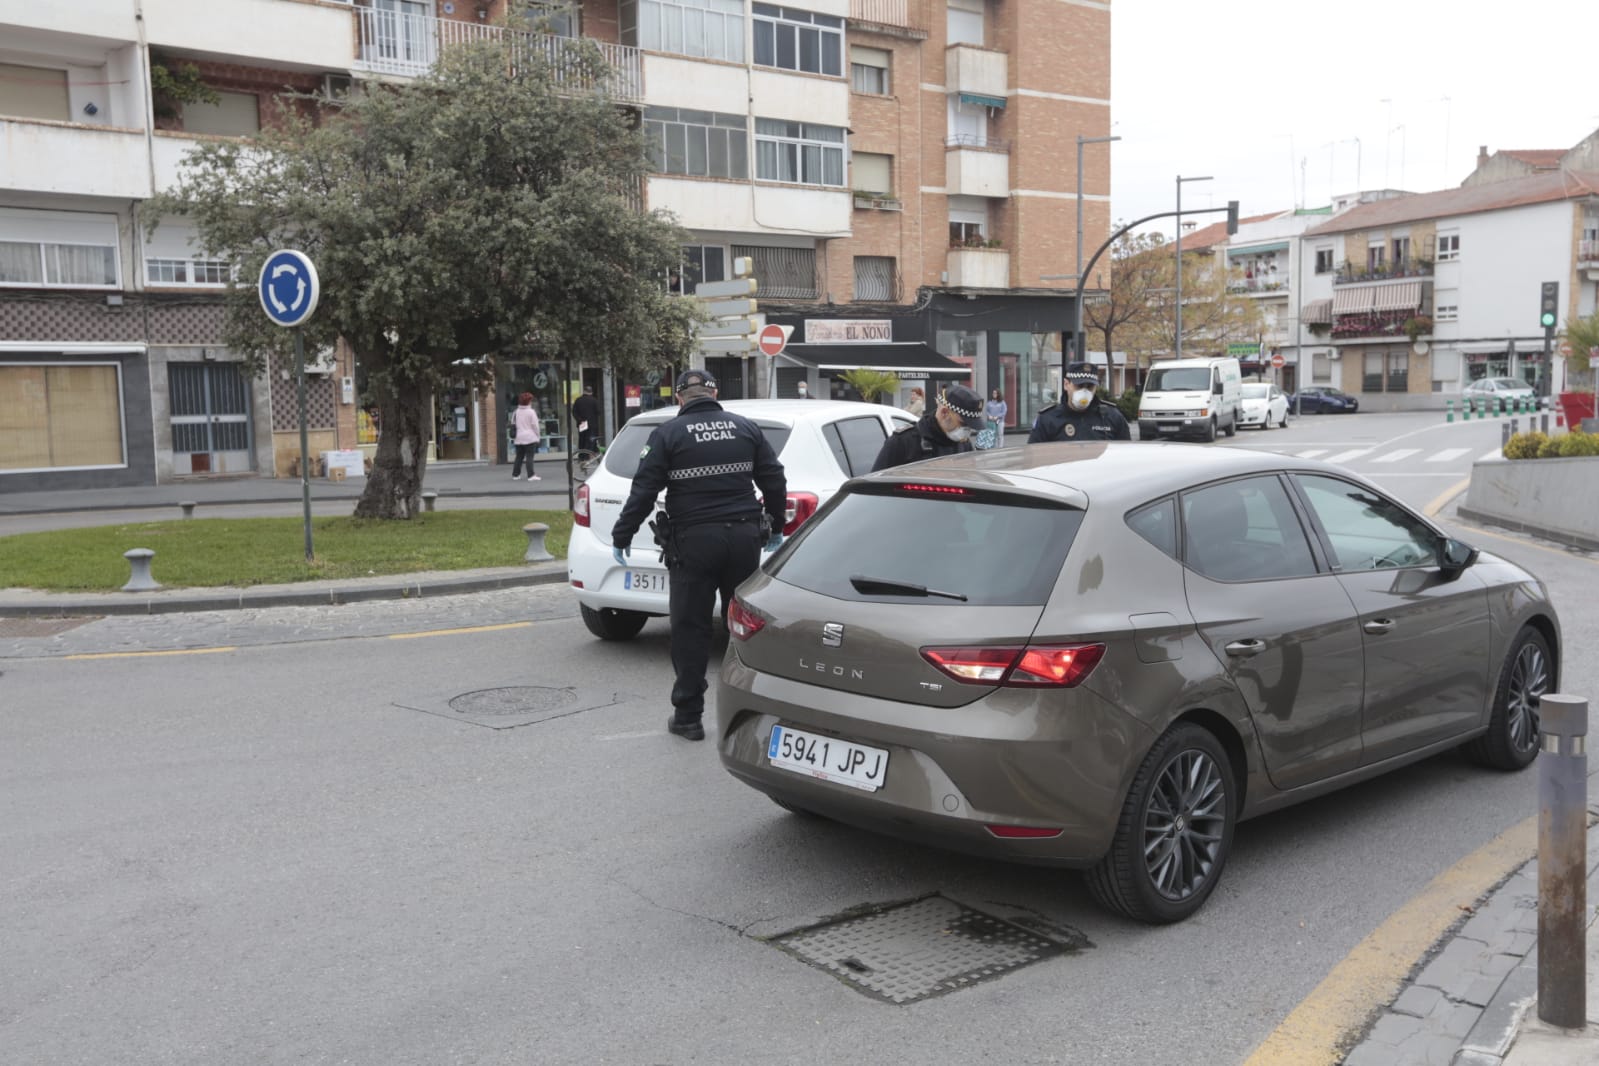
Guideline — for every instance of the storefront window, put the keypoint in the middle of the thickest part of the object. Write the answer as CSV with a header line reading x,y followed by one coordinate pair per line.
x,y
56,417
543,380
1032,360
969,349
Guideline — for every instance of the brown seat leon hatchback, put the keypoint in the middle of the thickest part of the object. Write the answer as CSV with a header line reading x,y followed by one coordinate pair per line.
x,y
1105,656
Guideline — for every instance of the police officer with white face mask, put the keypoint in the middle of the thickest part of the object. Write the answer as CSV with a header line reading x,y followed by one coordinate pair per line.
x,y
955,425
1084,416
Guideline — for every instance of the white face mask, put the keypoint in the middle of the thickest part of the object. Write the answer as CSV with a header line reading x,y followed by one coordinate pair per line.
x,y
1081,398
959,434
802,391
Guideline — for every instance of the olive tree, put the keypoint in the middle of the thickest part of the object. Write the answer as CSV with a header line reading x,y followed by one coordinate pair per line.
x,y
487,207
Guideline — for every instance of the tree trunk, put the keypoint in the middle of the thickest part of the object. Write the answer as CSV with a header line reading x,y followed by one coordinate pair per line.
x,y
394,488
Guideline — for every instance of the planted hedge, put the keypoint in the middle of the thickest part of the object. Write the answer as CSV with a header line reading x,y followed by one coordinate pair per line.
x,y
1542,446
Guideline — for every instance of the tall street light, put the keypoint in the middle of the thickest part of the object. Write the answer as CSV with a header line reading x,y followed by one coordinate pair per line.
x,y
1077,311
1180,180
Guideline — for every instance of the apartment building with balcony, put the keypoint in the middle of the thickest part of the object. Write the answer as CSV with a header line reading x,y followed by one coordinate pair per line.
x,y
1432,291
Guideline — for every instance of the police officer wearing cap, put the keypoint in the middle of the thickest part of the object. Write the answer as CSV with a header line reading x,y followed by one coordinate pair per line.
x,y
710,462
1084,416
952,427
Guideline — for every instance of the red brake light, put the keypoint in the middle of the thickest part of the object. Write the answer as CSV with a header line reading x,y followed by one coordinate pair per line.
x,y
935,490
1040,666
742,622
798,507
1023,831
580,506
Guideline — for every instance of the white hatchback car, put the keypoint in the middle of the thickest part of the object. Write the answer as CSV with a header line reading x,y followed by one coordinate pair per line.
x,y
821,444
1262,404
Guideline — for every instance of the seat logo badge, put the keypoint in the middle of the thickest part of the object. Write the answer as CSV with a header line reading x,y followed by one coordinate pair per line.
x,y
832,634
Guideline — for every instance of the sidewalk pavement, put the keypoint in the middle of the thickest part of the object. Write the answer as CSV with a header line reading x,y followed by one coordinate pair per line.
x,y
455,483
1473,1000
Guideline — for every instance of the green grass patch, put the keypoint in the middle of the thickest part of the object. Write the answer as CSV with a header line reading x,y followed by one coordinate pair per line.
x,y
271,551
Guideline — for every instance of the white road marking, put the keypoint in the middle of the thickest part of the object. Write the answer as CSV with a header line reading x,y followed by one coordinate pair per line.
x,y
1312,453
1344,457
1447,455
1485,456
631,736
1395,456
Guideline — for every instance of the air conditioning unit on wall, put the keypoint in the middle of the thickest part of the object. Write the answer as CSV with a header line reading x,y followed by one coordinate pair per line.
x,y
322,363
336,86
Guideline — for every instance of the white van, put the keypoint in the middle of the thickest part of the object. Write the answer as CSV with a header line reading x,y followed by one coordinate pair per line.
x,y
1190,397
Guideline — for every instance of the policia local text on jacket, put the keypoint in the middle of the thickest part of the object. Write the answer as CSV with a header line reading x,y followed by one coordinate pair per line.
x,y
709,461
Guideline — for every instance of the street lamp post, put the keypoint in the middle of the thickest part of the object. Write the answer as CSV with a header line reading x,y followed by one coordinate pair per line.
x,y
1180,180
1077,311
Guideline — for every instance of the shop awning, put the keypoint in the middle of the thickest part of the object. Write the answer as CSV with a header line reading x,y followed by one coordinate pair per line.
x,y
899,357
1318,312
982,101
1352,301
1400,296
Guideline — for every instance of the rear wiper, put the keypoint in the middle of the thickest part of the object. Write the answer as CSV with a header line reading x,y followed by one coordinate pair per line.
x,y
869,586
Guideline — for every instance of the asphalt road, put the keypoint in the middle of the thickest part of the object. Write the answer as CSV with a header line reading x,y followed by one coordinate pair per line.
x,y
309,836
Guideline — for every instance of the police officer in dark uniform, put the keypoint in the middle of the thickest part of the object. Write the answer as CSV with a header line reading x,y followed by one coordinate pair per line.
x,y
1083,416
706,459
953,426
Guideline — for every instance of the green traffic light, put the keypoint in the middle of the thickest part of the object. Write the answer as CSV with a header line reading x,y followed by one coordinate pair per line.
x,y
1548,319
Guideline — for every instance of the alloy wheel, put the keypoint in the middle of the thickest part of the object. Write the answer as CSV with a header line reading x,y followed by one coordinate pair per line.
x,y
1184,823
1529,680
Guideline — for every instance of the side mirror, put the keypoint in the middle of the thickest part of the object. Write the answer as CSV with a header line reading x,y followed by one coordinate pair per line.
x,y
1454,556
1216,389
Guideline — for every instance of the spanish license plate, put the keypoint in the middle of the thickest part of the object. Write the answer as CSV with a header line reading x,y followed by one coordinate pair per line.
x,y
644,580
828,758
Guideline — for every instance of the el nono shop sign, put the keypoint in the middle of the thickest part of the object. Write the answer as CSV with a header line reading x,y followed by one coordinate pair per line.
x,y
847,330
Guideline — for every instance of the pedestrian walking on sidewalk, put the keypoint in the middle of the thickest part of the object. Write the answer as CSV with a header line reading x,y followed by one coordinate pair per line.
x,y
997,411
525,426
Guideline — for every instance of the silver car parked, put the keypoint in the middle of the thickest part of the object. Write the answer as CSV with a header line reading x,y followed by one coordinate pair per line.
x,y
1105,656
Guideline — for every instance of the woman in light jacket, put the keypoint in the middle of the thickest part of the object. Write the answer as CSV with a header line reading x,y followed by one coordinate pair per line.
x,y
525,425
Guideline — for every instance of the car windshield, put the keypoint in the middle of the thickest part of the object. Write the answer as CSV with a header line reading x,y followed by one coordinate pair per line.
x,y
1509,383
992,548
1256,392
624,453
1178,379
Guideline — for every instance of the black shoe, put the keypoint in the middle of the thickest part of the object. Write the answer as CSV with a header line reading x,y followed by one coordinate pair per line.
x,y
688,730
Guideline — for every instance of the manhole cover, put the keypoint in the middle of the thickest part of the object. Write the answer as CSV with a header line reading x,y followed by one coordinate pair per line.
x,y
918,950
497,702
39,627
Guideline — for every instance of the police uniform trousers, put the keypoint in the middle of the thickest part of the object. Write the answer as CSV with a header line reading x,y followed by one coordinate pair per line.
x,y
710,558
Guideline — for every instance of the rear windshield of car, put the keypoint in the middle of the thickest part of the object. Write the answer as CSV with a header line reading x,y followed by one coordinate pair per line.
x,y
1255,392
625,452
995,549
1178,379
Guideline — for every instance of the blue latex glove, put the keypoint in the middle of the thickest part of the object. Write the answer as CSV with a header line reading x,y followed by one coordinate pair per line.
x,y
620,555
774,542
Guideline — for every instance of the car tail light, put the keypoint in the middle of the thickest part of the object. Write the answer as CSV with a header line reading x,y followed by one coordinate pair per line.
x,y
580,508
1032,666
799,507
742,622
1023,831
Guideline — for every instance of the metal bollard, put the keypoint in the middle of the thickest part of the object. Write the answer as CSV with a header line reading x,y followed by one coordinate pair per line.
x,y
427,499
1449,408
140,580
188,508
1545,418
1562,851
1515,426
1504,434
536,552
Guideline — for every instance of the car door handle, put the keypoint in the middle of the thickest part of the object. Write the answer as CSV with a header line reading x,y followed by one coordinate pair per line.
x,y
1377,625
1246,647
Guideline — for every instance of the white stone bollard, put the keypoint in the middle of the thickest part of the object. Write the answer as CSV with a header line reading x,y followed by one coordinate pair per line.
x,y
139,560
536,552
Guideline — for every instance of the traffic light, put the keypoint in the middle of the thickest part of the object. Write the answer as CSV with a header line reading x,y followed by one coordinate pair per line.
x,y
1549,305
1232,217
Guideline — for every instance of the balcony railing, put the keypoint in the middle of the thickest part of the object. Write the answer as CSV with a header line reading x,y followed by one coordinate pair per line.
x,y
408,46
1259,286
907,15
1349,274
1380,324
1588,252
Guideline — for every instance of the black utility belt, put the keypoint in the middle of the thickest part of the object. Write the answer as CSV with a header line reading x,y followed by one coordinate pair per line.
x,y
740,521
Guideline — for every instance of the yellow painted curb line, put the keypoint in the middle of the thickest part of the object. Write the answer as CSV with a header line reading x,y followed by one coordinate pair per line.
x,y
1442,499
463,629
146,654
1371,975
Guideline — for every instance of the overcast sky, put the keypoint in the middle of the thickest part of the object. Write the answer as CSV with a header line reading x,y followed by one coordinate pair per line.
x,y
1244,90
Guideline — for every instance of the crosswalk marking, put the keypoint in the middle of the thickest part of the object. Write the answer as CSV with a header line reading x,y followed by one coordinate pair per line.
x,y
1344,457
1485,456
1312,453
1396,455
1447,455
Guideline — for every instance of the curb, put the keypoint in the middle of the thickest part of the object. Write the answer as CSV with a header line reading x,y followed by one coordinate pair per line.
x,y
307,594
1574,540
